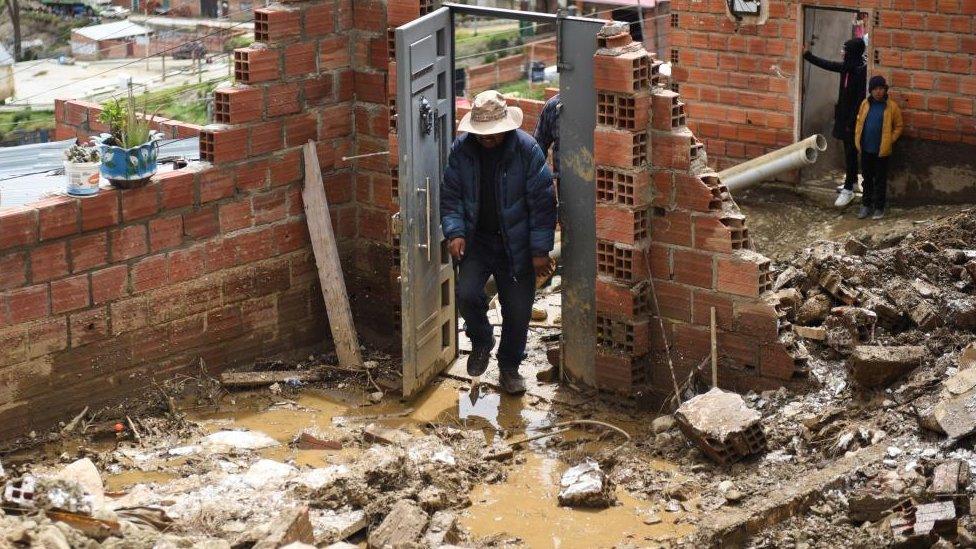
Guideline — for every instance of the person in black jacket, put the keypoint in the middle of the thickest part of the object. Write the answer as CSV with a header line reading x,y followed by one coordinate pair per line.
x,y
851,92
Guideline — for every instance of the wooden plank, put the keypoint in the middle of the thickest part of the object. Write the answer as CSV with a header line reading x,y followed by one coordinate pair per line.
x,y
327,262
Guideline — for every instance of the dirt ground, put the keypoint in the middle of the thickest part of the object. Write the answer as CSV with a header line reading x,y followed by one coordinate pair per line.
x,y
846,461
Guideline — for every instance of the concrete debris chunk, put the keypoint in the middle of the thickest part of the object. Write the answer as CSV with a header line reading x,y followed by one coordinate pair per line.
x,y
833,283
961,382
662,424
816,333
870,506
962,313
405,524
888,315
956,416
938,518
967,358
291,526
385,435
950,477
722,425
586,485
443,530
86,474
814,310
925,316
788,278
227,441
854,246
875,366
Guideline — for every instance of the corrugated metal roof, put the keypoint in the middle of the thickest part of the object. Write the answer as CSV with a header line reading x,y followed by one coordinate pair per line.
x,y
30,172
108,31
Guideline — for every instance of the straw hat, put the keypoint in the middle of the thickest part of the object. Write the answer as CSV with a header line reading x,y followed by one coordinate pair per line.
x,y
490,115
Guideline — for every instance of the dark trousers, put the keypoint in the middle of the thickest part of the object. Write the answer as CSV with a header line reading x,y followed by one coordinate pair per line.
x,y
875,170
850,163
483,257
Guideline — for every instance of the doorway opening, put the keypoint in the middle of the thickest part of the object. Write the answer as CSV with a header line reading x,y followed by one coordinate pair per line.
x,y
430,92
825,30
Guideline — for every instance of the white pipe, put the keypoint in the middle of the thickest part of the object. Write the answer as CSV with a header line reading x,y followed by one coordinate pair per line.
x,y
767,166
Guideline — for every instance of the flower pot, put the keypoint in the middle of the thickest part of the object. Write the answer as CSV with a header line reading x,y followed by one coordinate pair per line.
x,y
83,177
128,168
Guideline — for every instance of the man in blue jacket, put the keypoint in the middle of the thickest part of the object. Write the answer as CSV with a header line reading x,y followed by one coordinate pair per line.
x,y
498,213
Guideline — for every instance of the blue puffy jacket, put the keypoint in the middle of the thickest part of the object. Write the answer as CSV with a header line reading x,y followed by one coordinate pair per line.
x,y
525,196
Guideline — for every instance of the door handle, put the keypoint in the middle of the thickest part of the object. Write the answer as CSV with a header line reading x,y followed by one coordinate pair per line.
x,y
426,191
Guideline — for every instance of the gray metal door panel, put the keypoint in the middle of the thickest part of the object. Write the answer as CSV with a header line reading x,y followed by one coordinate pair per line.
x,y
577,196
425,109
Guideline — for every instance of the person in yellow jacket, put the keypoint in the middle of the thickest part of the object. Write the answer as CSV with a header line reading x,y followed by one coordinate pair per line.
x,y
878,126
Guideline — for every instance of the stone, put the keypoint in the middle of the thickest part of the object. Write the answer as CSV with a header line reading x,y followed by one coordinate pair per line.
x,y
967,357
50,537
432,499
292,525
789,277
268,473
870,506
385,435
925,316
376,396
950,477
813,310
405,524
443,530
956,416
961,382
833,283
855,247
652,518
962,313
875,366
226,441
586,485
816,333
662,424
938,517
888,315
86,474
722,425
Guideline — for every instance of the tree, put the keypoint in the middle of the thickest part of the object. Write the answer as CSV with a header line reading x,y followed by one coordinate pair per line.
x,y
13,6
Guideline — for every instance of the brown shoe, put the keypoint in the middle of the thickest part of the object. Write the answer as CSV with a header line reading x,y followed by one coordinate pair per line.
x,y
511,382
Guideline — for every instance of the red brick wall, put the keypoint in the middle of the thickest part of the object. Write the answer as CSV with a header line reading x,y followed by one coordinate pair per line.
x,y
99,296
508,69
671,244
742,83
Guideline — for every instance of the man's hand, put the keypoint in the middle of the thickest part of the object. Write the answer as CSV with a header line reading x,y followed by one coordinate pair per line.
x,y
542,266
456,247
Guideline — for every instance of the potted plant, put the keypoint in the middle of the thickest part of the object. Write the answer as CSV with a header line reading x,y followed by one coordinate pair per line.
x,y
130,150
81,166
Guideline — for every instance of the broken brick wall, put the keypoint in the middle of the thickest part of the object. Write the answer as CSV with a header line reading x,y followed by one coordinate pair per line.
x,y
100,296
671,245
742,83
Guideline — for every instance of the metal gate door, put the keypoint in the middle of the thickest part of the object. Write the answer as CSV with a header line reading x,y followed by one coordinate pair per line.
x,y
425,106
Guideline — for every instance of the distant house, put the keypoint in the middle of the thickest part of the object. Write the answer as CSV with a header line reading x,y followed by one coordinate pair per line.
x,y
116,40
6,74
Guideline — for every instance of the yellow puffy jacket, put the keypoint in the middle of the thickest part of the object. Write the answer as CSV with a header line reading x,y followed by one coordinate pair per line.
x,y
891,127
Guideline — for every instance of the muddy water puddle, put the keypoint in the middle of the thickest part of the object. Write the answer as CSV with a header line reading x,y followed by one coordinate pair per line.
x,y
525,505
121,481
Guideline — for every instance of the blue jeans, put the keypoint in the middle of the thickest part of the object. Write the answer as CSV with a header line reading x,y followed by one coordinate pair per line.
x,y
485,256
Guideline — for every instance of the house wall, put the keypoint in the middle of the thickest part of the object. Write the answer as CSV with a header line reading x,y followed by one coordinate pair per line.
x,y
741,83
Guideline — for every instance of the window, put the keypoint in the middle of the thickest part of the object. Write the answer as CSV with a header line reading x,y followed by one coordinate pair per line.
x,y
744,7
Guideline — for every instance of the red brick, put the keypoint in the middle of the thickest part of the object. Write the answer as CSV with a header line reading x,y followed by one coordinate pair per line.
x,y
370,87
13,347
88,327
318,89
265,138
299,129
299,59
712,235
49,262
218,255
742,350
776,362
223,145
338,188
741,274
370,15
671,227
140,203
129,315
253,246
128,242
88,251
628,302
627,73
18,227
177,189
47,336
216,184
224,323
624,225
283,99
692,193
70,294
109,284
13,271
757,319
186,264
238,105
291,236
269,207
201,223
57,217
619,148
704,301
254,65
692,268
374,224
319,20
400,12
30,303
619,373
334,53
273,24
235,216
673,300
286,168
150,273
165,232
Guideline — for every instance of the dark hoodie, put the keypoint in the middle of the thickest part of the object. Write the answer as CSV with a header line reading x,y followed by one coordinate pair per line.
x,y
852,88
